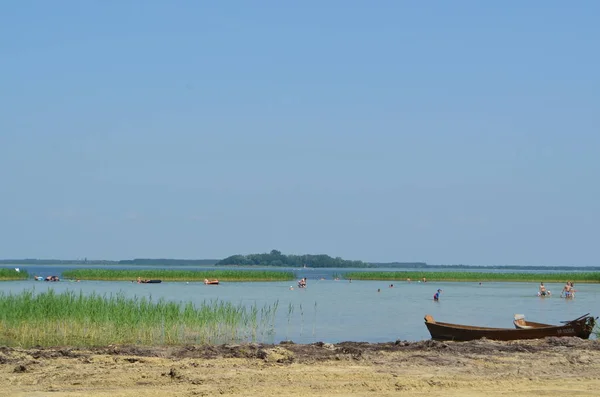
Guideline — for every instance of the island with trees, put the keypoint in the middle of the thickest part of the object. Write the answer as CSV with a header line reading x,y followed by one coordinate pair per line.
x,y
276,258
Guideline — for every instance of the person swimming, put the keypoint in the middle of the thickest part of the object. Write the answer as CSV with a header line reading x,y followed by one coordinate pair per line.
x,y
568,290
436,296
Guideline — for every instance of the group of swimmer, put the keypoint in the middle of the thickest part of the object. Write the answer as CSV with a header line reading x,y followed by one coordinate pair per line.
x,y
424,279
567,292
48,278
436,296
302,283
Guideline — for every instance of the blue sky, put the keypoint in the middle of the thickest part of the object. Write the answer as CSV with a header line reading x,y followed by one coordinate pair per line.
x,y
463,132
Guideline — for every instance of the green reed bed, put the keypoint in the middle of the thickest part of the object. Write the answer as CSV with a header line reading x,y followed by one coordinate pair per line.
x,y
51,319
12,274
578,277
178,275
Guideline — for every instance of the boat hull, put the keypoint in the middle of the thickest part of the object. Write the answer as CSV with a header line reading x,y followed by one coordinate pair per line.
x,y
581,328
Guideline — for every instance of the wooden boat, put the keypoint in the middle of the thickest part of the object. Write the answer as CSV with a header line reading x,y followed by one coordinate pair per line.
x,y
580,327
211,282
151,281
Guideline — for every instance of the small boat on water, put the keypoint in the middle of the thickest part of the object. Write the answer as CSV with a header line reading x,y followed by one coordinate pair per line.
x,y
211,282
151,281
581,327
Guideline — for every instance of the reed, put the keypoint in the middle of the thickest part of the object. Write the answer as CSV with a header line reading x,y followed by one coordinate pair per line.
x,y
12,274
301,319
314,320
577,277
289,319
50,319
178,275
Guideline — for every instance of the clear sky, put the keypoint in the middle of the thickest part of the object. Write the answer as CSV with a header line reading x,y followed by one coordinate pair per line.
x,y
461,132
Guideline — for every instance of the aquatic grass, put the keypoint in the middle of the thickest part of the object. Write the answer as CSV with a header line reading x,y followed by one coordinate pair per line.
x,y
578,277
301,319
178,275
314,320
289,319
12,274
50,319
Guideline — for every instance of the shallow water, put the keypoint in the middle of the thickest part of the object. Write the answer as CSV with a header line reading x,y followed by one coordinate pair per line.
x,y
336,311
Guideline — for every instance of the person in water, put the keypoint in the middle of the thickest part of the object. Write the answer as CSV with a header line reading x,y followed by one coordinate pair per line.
x,y
568,290
436,296
542,290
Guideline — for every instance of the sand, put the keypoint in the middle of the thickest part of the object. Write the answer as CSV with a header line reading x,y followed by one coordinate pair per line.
x,y
550,367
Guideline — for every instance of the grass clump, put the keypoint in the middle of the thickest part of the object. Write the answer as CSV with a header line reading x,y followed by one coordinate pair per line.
x,y
51,319
579,277
12,274
178,275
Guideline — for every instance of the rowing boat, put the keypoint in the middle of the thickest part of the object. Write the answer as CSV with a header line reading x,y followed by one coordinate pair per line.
x,y
581,327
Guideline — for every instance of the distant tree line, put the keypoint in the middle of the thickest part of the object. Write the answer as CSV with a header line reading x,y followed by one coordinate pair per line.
x,y
404,265
276,258
158,262
169,262
56,262
422,265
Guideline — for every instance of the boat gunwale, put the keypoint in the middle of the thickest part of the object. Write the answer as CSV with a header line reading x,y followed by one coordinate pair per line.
x,y
461,326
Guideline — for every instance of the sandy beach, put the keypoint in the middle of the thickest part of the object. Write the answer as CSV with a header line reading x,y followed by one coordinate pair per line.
x,y
550,367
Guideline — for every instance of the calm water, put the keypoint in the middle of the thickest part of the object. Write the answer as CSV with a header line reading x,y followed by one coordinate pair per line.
x,y
336,311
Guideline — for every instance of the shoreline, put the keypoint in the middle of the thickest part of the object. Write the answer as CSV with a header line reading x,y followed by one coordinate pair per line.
x,y
553,366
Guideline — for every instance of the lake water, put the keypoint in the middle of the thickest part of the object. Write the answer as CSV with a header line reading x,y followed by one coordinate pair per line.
x,y
336,311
